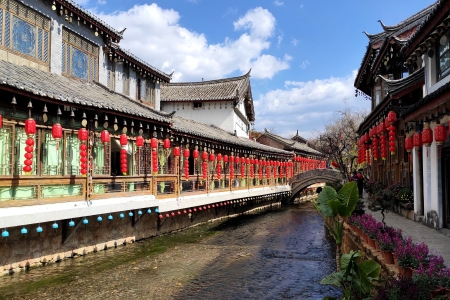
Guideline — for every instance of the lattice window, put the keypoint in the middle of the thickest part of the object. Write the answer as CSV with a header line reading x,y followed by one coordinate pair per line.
x,y
101,155
151,93
24,31
81,56
110,76
126,80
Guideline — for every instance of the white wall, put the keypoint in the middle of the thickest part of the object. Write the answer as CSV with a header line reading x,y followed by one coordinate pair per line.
x,y
210,113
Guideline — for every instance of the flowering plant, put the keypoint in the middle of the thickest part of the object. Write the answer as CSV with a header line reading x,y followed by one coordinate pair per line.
x,y
434,271
410,254
388,238
369,225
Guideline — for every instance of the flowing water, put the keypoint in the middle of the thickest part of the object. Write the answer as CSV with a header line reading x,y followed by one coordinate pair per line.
x,y
282,254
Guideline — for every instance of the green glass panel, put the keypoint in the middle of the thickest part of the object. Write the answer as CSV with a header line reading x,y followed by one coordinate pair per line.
x,y
72,154
52,155
99,158
51,191
5,151
17,193
99,189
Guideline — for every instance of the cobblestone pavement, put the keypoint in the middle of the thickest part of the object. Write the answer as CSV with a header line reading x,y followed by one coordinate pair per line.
x,y
278,255
437,241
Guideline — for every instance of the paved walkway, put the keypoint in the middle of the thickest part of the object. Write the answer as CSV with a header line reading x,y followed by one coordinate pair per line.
x,y
437,241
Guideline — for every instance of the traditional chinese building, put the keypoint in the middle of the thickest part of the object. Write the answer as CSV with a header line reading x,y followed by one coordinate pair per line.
x,y
405,137
84,143
226,103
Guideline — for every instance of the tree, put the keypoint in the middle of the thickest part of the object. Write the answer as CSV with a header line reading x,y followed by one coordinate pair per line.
x,y
339,139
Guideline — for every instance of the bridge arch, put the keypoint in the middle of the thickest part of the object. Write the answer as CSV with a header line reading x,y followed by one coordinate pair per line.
x,y
307,178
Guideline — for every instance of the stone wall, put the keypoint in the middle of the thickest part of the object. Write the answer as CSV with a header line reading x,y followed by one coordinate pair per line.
x,y
21,251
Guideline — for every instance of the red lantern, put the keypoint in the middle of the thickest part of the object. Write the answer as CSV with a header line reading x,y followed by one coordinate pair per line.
x,y
155,161
186,153
247,160
82,134
392,117
195,153
242,160
211,157
205,155
30,127
105,137
57,132
123,140
417,140
225,158
154,143
408,143
219,157
1,121
204,169
218,170
440,134
186,169
166,144
231,159
177,151
139,141
427,136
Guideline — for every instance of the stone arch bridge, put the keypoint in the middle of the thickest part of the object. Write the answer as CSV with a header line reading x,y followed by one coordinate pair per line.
x,y
307,178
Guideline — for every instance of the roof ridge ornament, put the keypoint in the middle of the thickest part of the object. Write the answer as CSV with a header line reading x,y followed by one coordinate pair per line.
x,y
382,24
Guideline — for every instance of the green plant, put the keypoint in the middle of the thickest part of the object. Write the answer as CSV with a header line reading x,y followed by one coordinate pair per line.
x,y
337,206
355,279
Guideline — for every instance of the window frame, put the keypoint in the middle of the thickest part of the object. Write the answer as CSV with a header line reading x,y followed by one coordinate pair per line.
x,y
446,71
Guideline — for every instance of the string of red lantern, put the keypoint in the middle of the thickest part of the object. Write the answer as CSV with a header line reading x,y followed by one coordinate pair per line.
x,y
231,167
123,154
83,137
219,166
242,167
30,130
154,146
186,155
204,165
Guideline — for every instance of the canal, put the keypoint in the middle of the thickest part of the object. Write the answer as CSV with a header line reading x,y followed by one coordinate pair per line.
x,y
281,254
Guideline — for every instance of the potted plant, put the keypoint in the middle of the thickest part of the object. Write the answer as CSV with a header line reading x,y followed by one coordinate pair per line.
x,y
388,238
410,255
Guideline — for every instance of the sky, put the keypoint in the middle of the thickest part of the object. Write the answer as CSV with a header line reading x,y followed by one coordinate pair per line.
x,y
303,55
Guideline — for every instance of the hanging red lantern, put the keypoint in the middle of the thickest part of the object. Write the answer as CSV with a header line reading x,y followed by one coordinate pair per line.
x,y
57,133
176,151
247,160
417,140
231,167
205,155
186,169
166,144
195,153
211,157
242,160
155,161
232,159
30,127
392,117
105,137
154,143
225,158
204,169
219,157
242,168
392,146
427,135
218,170
375,148
408,143
440,134
186,153
139,141
123,154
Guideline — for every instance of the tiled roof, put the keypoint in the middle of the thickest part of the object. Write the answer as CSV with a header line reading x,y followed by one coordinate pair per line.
x,y
291,144
400,33
133,58
73,91
399,84
235,88
86,14
214,133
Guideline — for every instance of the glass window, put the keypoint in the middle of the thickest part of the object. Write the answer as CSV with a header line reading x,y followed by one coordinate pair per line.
x,y
126,80
377,95
5,150
79,57
72,160
100,153
443,56
25,31
51,155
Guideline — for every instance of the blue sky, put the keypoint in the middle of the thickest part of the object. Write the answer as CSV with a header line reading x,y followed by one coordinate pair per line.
x,y
304,55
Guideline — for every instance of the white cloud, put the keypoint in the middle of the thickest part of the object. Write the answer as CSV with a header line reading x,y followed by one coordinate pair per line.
x,y
278,3
101,2
154,35
280,39
306,106
304,64
294,42
259,21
